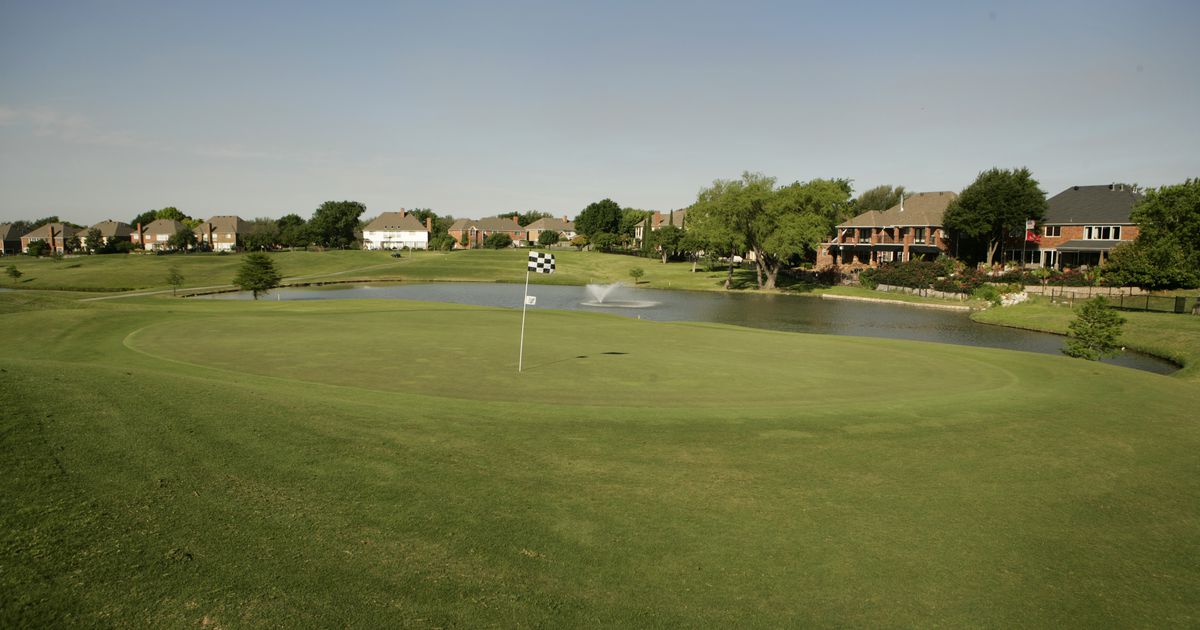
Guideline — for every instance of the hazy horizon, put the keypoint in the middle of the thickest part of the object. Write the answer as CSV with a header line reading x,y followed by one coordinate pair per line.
x,y
475,109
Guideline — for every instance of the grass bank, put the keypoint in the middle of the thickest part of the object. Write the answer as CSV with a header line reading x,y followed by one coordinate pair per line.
x,y
382,464
1171,336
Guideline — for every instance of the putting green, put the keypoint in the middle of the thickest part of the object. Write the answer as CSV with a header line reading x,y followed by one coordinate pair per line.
x,y
471,353
171,463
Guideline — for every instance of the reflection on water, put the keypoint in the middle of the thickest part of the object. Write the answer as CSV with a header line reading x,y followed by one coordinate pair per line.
x,y
774,312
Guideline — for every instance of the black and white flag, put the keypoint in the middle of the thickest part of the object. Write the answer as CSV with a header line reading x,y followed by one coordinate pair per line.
x,y
541,263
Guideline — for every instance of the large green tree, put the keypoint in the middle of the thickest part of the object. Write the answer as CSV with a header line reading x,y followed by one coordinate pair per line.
x,y
668,241
293,231
778,226
170,213
601,216
183,239
1167,248
257,274
95,241
332,224
879,198
997,203
525,218
262,234
630,217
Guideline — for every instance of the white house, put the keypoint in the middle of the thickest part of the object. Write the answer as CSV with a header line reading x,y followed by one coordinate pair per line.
x,y
396,230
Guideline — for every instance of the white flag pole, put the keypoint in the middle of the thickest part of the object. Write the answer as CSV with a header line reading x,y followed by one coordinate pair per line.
x,y
524,307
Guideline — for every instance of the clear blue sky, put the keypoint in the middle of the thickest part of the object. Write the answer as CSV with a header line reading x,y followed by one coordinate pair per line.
x,y
260,109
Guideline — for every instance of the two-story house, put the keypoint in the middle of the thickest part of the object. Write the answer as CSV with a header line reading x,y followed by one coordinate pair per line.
x,y
109,231
221,233
156,234
910,230
58,235
1082,225
396,230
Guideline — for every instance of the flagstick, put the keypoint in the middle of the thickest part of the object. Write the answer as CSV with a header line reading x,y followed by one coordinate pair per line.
x,y
524,307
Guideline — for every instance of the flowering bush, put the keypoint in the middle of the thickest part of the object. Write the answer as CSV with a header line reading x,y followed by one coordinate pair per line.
x,y
916,274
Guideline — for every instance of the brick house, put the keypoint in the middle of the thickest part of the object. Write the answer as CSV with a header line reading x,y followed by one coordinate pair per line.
x,y
1082,225
221,233
154,235
109,231
909,230
59,235
470,233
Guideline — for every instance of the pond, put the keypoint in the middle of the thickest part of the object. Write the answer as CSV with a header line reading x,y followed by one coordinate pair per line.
x,y
775,312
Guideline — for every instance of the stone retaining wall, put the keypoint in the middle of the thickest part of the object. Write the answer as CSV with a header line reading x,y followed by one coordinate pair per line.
x,y
943,295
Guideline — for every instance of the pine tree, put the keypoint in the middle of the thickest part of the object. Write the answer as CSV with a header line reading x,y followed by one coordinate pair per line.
x,y
257,274
1095,331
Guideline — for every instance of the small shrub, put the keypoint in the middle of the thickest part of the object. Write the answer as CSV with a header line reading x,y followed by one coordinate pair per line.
x,y
988,293
497,240
1094,332
867,280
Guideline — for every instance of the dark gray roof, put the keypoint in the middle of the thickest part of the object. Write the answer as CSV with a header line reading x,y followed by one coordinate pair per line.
x,y
8,232
1085,245
1091,205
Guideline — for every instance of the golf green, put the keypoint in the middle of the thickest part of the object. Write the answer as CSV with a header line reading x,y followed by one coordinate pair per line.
x,y
383,463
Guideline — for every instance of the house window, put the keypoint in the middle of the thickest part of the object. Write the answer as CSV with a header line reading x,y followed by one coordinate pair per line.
x,y
918,235
1053,230
1050,258
864,234
1102,232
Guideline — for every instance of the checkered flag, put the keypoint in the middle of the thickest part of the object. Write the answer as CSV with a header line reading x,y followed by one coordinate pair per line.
x,y
541,263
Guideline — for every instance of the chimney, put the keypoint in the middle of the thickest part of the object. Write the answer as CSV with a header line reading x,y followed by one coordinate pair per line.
x,y
139,233
657,219
429,224
514,218
565,219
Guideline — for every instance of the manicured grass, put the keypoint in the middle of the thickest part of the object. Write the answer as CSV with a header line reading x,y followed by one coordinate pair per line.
x,y
382,464
142,272
1172,336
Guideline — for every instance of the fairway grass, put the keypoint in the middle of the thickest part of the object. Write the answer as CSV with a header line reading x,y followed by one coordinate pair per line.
x,y
382,464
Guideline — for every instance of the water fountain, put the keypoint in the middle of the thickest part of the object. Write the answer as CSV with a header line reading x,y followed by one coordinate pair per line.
x,y
600,297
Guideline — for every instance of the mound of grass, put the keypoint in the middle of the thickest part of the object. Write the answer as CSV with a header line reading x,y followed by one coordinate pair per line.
x,y
383,464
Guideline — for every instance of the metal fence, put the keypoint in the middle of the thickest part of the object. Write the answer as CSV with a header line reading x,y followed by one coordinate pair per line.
x,y
1149,303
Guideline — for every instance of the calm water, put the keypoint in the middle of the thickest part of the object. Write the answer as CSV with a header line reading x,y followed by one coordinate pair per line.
x,y
774,312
